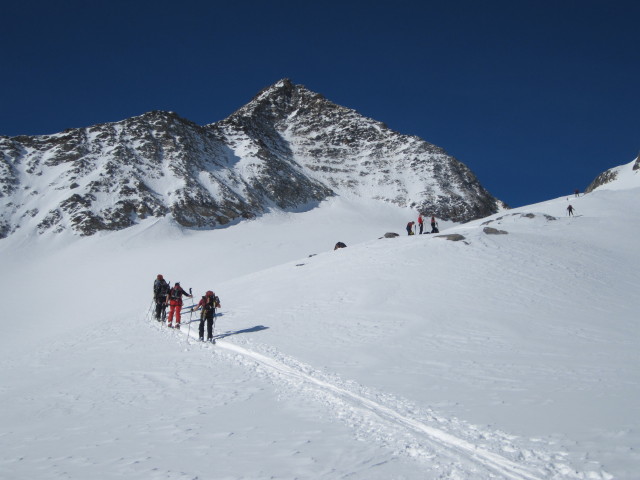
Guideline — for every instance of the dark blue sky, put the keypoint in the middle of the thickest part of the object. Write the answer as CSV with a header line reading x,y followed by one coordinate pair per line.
x,y
536,97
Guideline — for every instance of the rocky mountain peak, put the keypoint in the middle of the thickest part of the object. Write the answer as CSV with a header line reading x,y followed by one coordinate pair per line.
x,y
278,101
288,147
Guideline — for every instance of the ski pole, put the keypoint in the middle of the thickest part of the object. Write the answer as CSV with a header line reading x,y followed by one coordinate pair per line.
x,y
190,314
188,308
150,307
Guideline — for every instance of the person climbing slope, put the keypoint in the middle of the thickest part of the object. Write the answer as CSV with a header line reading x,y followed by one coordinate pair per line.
x,y
434,225
208,304
174,298
160,292
410,228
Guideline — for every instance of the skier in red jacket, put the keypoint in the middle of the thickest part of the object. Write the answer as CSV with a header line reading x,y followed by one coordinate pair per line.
x,y
175,303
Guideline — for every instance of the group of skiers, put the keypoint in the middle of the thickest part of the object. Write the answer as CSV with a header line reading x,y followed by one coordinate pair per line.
x,y
164,295
411,226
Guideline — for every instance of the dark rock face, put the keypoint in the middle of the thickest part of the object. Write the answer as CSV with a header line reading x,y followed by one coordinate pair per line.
x,y
351,153
288,148
609,176
602,179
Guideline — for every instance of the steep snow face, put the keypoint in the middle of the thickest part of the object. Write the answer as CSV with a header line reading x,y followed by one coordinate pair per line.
x,y
288,149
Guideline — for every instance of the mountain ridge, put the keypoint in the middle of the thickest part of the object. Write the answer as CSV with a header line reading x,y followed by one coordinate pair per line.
x,y
288,148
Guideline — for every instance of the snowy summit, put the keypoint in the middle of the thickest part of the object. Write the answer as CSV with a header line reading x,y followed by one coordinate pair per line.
x,y
287,150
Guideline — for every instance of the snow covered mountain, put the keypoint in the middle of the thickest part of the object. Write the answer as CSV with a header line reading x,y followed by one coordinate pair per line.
x,y
287,149
511,353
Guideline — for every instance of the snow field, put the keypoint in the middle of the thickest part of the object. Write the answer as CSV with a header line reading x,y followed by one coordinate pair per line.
x,y
501,356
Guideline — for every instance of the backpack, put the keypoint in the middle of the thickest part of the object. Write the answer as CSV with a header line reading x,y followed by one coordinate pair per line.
x,y
209,305
160,288
176,293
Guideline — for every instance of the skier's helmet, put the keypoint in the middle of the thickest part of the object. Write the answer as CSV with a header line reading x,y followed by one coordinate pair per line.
x,y
160,277
209,293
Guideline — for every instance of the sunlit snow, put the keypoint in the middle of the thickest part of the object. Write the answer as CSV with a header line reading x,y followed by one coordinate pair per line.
x,y
503,355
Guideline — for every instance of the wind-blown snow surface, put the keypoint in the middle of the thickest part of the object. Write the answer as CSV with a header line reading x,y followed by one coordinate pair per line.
x,y
501,356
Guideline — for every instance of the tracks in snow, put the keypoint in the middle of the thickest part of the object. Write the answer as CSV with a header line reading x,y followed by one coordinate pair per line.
x,y
459,449
450,449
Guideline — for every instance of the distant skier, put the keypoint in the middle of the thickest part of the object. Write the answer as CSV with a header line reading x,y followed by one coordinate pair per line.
x,y
160,292
434,225
175,303
410,228
208,304
576,192
420,223
570,209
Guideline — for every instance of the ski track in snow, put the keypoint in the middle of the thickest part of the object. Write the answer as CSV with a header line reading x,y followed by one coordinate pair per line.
x,y
488,459
401,431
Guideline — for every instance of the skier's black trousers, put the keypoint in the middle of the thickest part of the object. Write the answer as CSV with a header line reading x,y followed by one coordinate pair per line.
x,y
209,318
160,306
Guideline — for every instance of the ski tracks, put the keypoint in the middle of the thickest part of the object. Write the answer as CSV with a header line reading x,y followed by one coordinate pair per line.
x,y
399,425
447,447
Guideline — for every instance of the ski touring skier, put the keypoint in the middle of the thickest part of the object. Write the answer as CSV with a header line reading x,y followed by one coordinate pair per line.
x,y
410,228
434,225
208,304
160,291
175,303
420,223
570,209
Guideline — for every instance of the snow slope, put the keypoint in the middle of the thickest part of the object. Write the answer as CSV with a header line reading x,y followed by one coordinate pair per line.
x,y
498,356
624,177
